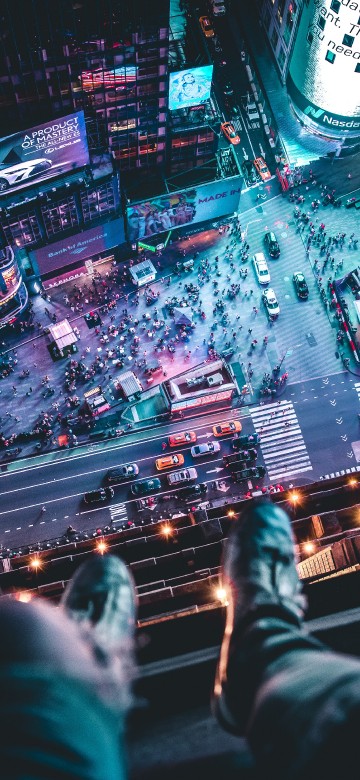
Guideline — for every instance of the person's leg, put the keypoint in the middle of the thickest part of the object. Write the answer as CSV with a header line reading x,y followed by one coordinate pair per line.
x,y
297,702
64,695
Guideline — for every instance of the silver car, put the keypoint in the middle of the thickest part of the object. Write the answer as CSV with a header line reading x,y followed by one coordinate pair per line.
x,y
208,448
179,477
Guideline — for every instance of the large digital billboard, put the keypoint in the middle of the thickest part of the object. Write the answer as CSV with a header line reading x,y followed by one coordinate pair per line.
x,y
190,87
79,247
167,212
47,150
323,79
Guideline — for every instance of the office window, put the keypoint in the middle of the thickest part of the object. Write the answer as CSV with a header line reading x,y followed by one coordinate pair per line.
x,y
330,56
321,22
348,40
335,6
274,39
267,19
281,58
310,37
280,11
357,68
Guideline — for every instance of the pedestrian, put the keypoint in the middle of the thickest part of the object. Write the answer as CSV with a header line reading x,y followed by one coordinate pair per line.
x,y
249,331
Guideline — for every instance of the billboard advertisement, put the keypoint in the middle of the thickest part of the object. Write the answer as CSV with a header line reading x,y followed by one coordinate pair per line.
x,y
79,247
190,87
326,56
117,77
48,150
167,212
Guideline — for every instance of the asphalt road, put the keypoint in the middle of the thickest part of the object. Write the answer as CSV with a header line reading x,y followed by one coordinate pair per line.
x,y
311,432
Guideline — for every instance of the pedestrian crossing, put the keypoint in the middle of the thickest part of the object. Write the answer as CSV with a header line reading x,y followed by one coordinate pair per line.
x,y
118,512
357,388
282,444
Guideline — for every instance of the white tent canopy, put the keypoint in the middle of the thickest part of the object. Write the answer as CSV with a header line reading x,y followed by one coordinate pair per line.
x,y
62,334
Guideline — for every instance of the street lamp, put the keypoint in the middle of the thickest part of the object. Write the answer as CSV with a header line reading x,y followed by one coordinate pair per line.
x,y
294,498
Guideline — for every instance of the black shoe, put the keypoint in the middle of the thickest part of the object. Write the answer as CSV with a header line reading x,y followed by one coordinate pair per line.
x,y
261,579
101,597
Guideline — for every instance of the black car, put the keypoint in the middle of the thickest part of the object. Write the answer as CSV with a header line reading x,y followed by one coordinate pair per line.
x,y
329,198
191,491
145,486
243,456
102,494
119,473
255,472
238,442
302,290
271,244
249,172
228,89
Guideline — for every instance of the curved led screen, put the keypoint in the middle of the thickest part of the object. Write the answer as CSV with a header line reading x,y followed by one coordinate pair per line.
x,y
324,73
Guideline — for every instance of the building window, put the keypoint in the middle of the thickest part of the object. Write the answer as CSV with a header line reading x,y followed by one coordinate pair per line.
x,y
335,6
280,11
321,22
267,19
310,37
287,32
348,40
281,58
357,68
330,56
274,39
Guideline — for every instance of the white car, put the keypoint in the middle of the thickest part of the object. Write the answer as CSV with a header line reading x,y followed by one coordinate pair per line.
x,y
271,303
14,175
261,268
217,7
208,448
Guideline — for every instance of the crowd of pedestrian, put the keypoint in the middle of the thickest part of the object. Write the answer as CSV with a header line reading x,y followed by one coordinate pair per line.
x,y
134,327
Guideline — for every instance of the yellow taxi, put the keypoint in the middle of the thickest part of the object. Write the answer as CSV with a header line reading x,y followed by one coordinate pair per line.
x,y
168,461
183,437
225,428
206,27
230,133
262,168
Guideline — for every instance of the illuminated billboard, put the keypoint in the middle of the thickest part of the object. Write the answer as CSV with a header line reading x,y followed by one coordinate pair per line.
x,y
167,212
190,87
117,77
47,150
323,79
78,248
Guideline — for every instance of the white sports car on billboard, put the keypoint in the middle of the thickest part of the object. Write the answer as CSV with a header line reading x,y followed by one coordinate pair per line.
x,y
15,175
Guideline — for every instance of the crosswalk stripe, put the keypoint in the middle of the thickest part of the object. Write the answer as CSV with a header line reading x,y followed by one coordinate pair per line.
x,y
289,452
118,511
287,473
268,441
281,440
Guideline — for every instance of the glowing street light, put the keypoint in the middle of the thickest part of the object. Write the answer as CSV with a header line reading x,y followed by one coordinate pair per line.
x,y
101,546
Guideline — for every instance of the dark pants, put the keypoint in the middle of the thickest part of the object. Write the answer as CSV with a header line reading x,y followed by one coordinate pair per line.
x,y
303,700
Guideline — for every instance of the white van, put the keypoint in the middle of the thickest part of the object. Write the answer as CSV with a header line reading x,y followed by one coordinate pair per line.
x,y
217,7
